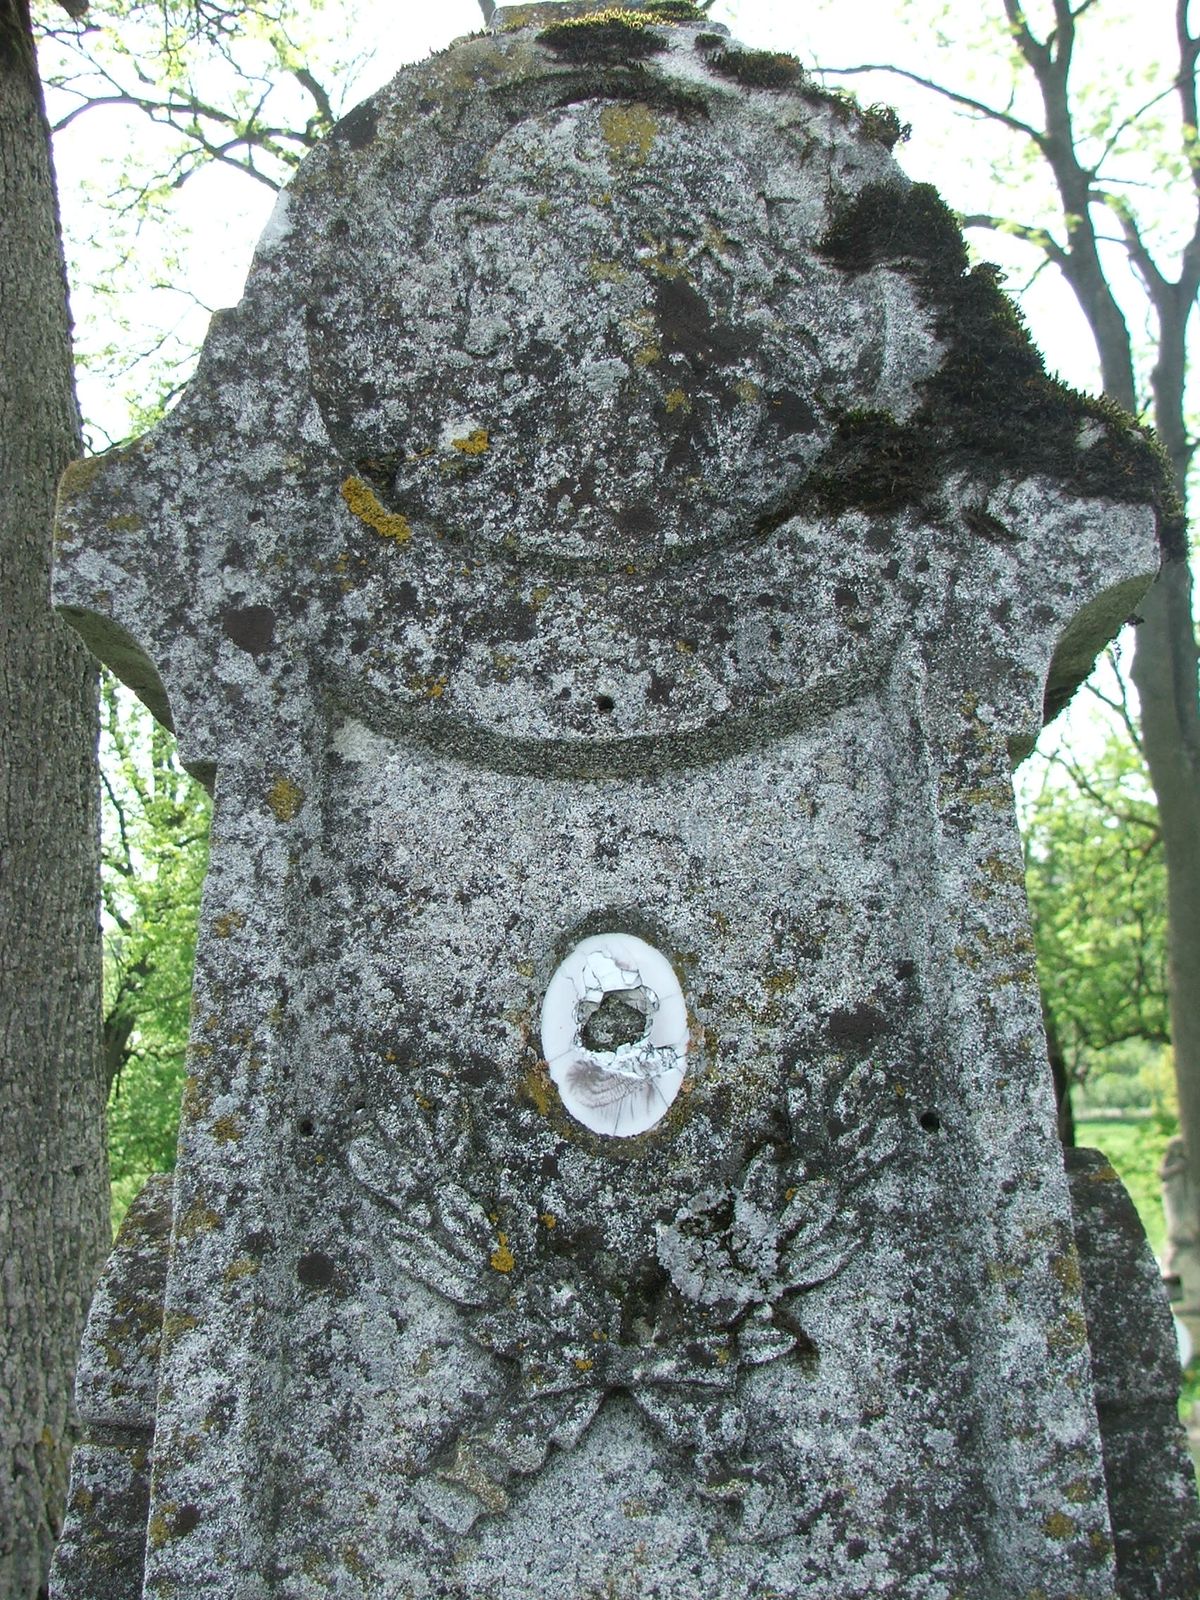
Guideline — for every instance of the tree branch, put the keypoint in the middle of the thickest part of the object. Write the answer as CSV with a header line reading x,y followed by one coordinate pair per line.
x,y
993,113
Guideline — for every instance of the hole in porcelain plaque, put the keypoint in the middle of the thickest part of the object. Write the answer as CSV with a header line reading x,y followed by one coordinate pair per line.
x,y
615,1034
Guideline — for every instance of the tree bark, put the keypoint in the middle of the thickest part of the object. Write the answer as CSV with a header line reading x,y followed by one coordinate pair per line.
x,y
53,1189
1164,671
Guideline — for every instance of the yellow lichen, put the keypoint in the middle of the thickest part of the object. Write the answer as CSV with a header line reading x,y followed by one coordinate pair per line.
x,y
127,522
361,500
746,389
535,1086
285,797
243,1267
548,1219
677,401
476,442
629,131
607,272
582,1364
1066,1269
1058,1525
226,1130
196,1220
227,922
502,1258
78,477
647,355
433,688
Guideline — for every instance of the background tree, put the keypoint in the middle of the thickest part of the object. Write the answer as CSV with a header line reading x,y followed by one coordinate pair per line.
x,y
155,855
53,1193
1095,875
1090,160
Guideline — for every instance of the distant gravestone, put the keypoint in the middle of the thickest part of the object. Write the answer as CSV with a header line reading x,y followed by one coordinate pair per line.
x,y
607,565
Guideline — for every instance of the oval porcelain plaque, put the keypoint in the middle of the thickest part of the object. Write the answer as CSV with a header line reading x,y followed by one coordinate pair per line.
x,y
615,1034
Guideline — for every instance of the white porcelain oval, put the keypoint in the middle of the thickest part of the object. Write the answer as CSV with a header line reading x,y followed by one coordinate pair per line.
x,y
628,1090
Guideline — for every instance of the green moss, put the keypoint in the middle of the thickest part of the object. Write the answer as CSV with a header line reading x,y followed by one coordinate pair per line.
x,y
615,34
675,11
768,69
991,401
876,464
757,69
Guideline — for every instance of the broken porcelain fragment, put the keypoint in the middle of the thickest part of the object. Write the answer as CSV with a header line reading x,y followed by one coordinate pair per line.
x,y
615,1033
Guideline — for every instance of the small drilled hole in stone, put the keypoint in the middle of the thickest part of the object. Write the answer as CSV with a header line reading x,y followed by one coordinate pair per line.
x,y
306,1127
930,1121
605,703
613,1023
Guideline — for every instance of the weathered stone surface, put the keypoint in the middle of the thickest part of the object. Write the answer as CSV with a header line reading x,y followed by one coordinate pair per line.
x,y
102,1551
596,520
1151,1483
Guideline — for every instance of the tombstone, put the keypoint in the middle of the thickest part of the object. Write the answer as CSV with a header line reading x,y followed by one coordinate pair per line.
x,y
607,566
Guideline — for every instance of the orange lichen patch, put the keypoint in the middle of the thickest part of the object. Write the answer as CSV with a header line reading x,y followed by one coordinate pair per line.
x,y
502,1258
476,443
582,1364
548,1219
363,504
285,798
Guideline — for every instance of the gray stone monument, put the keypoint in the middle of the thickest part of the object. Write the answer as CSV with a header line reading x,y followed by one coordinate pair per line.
x,y
606,566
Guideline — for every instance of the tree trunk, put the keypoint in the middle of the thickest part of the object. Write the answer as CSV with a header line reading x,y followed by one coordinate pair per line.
x,y
53,1199
1164,671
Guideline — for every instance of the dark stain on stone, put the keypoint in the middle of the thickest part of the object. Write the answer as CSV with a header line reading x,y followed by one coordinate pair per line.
x,y
186,1519
315,1270
358,127
251,628
856,1028
638,519
689,329
660,690
790,412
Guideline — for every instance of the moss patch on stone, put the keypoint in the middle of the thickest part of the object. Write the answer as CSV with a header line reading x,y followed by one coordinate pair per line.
x,y
757,69
615,34
991,402
776,70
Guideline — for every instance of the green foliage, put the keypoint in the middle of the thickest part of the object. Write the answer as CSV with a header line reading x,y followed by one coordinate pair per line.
x,y
148,99
155,835
1097,890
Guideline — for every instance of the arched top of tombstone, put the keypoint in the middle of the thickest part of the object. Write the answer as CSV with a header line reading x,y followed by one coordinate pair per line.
x,y
601,392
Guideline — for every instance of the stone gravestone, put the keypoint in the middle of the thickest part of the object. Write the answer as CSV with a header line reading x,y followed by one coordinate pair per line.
x,y
607,566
